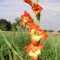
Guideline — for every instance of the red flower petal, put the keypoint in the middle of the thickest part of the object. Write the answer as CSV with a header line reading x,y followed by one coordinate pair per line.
x,y
36,8
33,26
41,46
28,1
28,48
44,35
22,23
27,18
35,58
33,42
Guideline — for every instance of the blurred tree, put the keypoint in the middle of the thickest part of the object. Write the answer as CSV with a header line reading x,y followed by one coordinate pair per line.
x,y
14,28
17,21
16,25
5,25
58,31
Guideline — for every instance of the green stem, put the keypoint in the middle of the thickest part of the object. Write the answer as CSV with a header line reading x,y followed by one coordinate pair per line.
x,y
36,1
37,16
37,22
38,19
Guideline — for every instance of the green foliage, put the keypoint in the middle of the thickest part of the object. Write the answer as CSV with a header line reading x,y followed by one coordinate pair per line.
x,y
10,46
17,21
14,28
5,25
15,25
1,54
20,39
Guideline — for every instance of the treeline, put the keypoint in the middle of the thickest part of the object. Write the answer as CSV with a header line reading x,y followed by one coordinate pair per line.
x,y
8,26
52,31
5,25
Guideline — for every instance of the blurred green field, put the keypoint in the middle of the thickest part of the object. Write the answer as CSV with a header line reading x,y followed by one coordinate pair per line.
x,y
20,39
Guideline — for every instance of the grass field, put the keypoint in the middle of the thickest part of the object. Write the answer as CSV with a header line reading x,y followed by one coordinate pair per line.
x,y
19,40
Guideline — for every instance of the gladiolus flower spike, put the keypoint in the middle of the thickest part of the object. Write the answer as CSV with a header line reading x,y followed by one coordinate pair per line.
x,y
36,33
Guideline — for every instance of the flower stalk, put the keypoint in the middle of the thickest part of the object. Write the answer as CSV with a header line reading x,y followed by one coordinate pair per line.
x,y
36,1
37,34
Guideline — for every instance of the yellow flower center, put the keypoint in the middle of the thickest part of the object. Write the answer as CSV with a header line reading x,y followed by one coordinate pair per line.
x,y
34,51
37,32
25,19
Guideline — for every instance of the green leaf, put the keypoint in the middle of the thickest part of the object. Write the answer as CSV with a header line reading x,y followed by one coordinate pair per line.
x,y
16,48
10,46
14,57
10,57
2,58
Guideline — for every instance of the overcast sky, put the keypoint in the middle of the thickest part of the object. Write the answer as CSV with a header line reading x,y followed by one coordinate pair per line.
x,y
50,16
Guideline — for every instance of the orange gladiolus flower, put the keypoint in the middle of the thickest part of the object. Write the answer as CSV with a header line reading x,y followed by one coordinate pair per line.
x,y
26,18
28,1
34,50
36,8
37,35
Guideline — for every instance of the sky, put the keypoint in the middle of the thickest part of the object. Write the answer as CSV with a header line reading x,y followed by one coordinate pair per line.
x,y
50,16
